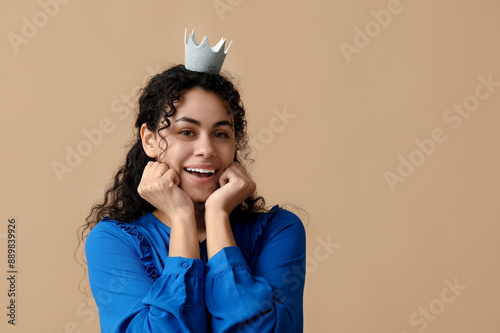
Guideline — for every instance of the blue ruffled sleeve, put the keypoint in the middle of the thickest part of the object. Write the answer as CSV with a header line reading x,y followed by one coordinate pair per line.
x,y
130,293
268,298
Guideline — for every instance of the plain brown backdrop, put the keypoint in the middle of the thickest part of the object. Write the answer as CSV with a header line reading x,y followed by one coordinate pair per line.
x,y
340,95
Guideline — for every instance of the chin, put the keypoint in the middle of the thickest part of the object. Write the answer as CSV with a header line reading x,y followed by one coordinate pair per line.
x,y
201,194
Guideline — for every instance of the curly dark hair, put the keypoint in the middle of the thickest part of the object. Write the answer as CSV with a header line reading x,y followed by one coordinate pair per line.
x,y
121,200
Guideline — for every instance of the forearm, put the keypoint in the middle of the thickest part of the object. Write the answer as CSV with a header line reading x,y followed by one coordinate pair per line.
x,y
184,238
265,295
129,298
241,302
219,233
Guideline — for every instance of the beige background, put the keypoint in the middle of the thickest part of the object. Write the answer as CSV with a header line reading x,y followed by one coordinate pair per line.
x,y
393,251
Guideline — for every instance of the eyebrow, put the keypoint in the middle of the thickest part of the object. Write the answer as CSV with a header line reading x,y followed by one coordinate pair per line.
x,y
197,123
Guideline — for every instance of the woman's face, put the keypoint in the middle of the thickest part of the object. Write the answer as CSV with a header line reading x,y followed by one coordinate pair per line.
x,y
200,140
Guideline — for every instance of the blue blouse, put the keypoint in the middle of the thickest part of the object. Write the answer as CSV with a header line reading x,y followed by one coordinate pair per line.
x,y
256,286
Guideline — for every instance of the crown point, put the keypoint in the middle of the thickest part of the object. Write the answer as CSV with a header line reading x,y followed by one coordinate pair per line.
x,y
203,58
230,43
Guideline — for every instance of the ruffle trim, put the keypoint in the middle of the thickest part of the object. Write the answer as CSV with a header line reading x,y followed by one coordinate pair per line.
x,y
142,245
262,227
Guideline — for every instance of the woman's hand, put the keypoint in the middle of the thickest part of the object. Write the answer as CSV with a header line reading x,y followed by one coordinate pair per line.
x,y
236,185
160,187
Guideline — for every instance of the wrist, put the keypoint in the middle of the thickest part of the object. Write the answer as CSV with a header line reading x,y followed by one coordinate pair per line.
x,y
215,213
183,218
178,218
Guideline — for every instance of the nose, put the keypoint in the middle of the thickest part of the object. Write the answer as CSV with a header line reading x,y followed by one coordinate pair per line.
x,y
204,147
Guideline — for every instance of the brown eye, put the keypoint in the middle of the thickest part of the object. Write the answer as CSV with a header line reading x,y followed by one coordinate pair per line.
x,y
221,135
186,133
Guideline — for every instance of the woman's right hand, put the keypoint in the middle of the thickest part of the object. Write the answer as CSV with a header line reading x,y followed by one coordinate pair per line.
x,y
160,187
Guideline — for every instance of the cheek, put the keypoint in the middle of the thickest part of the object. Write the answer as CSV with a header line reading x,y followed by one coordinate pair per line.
x,y
231,154
227,151
173,157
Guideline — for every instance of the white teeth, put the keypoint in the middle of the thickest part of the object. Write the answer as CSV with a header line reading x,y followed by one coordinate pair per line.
x,y
201,170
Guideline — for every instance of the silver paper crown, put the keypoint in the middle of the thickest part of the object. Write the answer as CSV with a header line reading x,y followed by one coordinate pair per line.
x,y
202,57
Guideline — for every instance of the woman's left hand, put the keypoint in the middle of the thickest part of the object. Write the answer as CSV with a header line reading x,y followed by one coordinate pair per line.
x,y
236,185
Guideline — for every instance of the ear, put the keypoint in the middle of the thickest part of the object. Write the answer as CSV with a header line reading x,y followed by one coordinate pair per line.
x,y
149,142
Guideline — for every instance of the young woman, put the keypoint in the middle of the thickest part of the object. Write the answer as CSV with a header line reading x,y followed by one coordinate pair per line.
x,y
180,242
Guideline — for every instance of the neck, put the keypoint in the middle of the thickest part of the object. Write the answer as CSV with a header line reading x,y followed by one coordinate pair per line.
x,y
199,211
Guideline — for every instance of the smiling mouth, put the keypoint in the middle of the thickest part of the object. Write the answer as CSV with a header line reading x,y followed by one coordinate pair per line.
x,y
201,173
